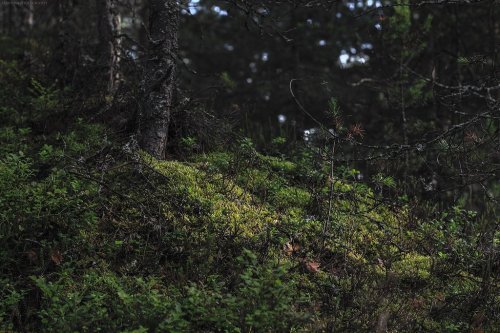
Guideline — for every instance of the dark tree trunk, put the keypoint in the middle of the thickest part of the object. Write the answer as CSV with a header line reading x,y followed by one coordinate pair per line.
x,y
66,57
27,13
17,18
108,28
10,19
158,84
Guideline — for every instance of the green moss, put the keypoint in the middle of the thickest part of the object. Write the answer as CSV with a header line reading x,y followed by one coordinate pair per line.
x,y
230,205
279,165
216,161
413,266
289,197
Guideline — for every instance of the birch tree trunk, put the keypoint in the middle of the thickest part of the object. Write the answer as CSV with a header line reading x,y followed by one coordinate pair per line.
x,y
157,86
108,28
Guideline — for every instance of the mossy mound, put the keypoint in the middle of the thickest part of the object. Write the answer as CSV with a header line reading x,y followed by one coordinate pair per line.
x,y
96,236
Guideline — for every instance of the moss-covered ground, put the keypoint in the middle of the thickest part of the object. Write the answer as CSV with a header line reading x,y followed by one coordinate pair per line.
x,y
96,236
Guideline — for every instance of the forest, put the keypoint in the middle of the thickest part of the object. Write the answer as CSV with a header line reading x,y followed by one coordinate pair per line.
x,y
249,166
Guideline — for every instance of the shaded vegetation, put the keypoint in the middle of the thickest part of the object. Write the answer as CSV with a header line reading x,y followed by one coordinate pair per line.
x,y
98,236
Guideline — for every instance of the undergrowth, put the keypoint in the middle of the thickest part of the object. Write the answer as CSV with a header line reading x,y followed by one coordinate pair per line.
x,y
96,236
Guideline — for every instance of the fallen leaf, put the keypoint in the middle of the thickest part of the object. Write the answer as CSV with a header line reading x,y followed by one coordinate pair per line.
x,y
56,257
312,266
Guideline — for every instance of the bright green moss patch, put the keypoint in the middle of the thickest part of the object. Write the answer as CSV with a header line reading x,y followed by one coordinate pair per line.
x,y
230,205
291,197
413,266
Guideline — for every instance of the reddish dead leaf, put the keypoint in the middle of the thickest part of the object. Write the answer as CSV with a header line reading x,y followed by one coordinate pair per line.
x,y
471,136
357,130
56,257
312,266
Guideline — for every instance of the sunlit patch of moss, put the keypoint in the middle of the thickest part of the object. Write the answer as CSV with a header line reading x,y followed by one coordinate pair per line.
x,y
230,205
291,197
412,266
177,170
356,257
279,165
243,219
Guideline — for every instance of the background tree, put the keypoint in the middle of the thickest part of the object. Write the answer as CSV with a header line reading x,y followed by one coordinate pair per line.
x,y
108,26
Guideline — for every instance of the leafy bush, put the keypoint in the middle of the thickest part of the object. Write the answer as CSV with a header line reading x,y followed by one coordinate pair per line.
x,y
262,300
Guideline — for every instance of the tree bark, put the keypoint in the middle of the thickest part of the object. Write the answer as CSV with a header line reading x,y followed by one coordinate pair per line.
x,y
108,28
158,84
30,19
62,62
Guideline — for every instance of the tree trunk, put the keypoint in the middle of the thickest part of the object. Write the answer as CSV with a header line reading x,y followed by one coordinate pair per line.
x,y
17,18
108,27
27,12
61,66
158,84
30,19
